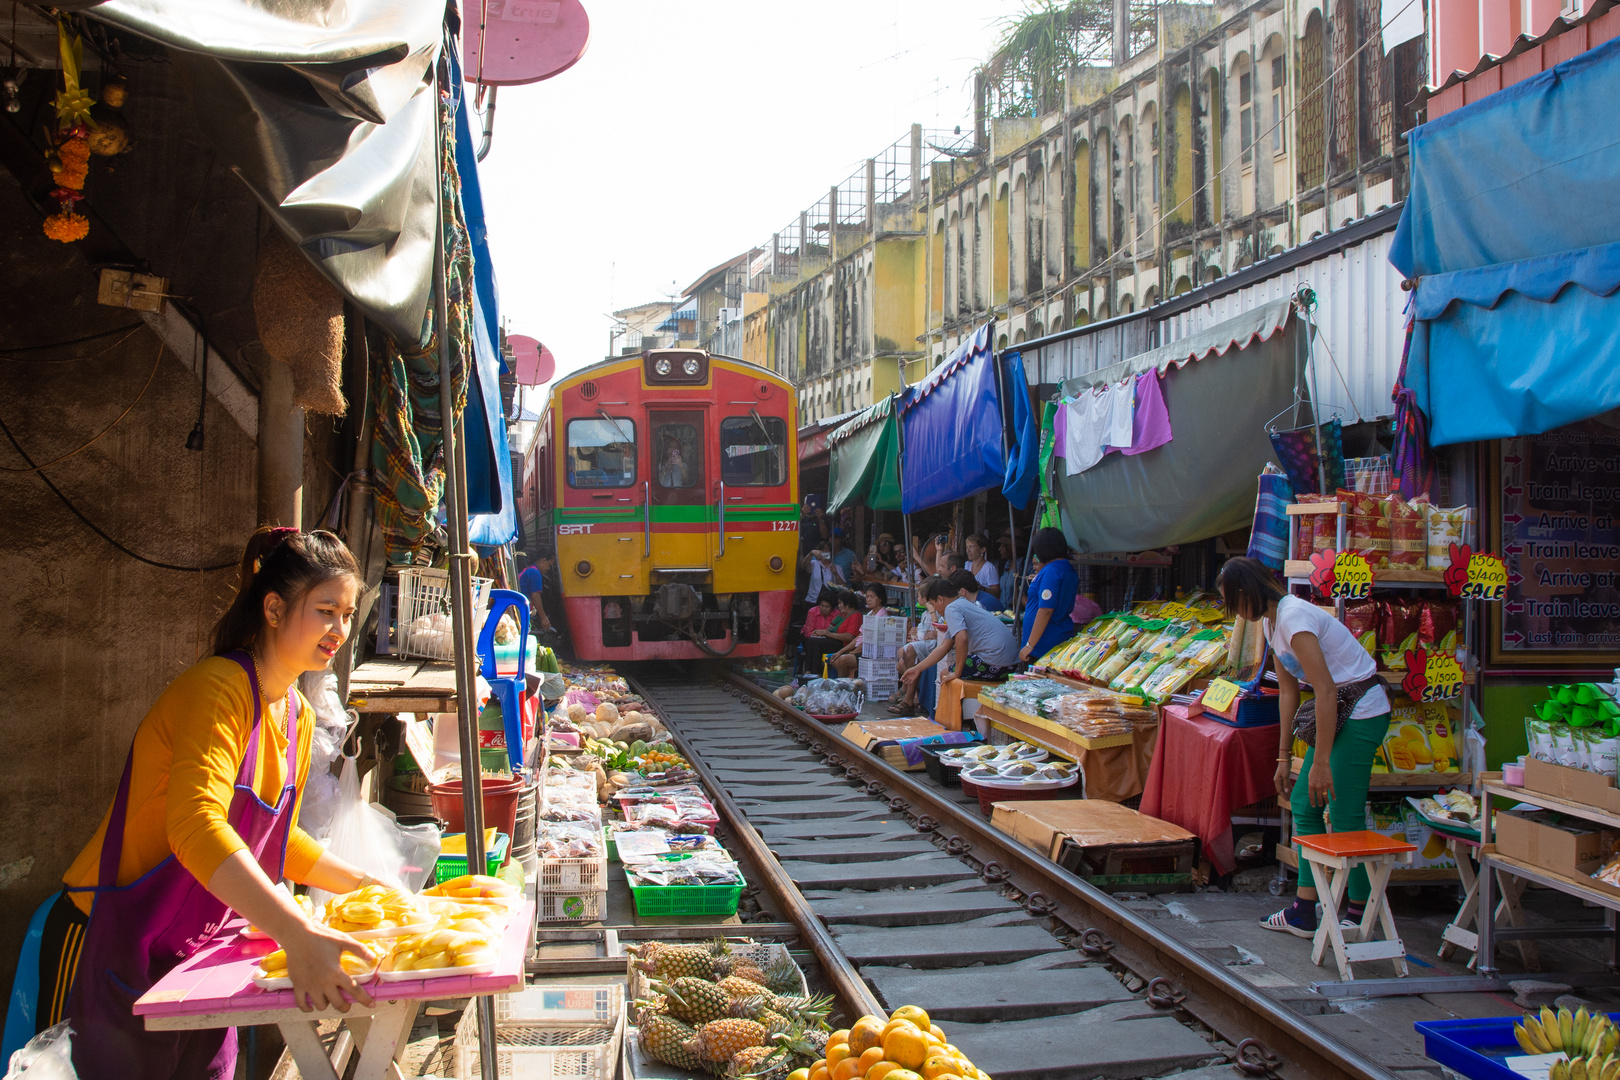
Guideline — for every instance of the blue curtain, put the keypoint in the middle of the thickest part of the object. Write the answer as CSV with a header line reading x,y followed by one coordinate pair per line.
x,y
1024,465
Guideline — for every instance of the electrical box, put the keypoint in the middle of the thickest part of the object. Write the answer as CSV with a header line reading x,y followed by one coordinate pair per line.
x,y
127,289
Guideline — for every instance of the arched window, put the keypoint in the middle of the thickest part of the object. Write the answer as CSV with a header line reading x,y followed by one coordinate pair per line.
x,y
1080,236
951,259
1036,227
1016,230
1309,122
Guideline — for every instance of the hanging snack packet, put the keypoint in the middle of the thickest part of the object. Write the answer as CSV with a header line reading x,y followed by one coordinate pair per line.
x,y
1398,632
1445,527
1367,527
1538,737
1437,626
1408,532
1406,746
1361,619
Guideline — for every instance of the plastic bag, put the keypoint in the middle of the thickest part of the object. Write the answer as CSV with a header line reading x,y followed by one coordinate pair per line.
x,y
48,1056
322,793
368,836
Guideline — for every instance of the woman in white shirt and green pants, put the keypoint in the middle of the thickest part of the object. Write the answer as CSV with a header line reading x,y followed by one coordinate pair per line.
x,y
1314,648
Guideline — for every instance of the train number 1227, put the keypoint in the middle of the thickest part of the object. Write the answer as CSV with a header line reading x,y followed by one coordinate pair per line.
x,y
784,526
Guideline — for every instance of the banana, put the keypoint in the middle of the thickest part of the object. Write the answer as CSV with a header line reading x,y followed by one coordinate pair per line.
x,y
1609,1042
1566,1028
1577,1069
1559,1070
1538,1037
1577,1038
1611,1070
1528,1045
1549,1028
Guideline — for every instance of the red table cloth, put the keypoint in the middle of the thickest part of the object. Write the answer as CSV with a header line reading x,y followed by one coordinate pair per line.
x,y
1202,770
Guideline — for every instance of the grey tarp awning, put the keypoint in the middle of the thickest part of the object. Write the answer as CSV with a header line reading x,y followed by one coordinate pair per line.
x,y
1202,482
866,460
325,109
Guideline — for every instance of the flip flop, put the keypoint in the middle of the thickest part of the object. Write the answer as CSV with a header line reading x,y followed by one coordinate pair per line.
x,y
1279,921
900,708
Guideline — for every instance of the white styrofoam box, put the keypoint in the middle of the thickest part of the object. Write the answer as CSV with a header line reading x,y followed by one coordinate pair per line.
x,y
884,629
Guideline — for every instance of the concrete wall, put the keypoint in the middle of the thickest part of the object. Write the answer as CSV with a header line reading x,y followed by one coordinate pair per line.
x,y
93,636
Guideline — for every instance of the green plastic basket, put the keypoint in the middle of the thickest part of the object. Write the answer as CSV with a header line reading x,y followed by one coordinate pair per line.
x,y
655,900
453,866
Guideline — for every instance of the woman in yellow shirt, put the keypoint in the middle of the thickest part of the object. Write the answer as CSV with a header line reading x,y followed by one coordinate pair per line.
x,y
203,824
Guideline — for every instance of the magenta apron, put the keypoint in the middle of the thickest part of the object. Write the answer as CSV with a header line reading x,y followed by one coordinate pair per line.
x,y
139,932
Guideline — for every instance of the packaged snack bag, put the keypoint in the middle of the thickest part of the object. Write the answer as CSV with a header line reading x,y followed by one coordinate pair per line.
x,y
1406,746
1361,619
1398,631
1538,737
1437,626
1408,532
1445,527
1367,530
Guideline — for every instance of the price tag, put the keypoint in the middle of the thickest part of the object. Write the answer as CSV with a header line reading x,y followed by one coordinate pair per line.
x,y
1431,676
1341,575
1220,695
1487,577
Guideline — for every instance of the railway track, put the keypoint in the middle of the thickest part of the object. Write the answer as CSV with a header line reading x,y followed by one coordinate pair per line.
x,y
905,896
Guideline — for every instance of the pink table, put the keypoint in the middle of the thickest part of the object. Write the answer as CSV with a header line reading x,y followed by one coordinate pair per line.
x,y
1202,770
215,989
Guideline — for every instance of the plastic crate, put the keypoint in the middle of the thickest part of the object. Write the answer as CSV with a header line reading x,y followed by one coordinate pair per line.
x,y
424,592
571,890
571,907
1475,1048
450,866
562,1006
658,900
543,1050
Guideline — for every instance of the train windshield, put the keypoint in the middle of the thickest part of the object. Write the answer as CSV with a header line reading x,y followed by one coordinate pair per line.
x,y
602,452
753,450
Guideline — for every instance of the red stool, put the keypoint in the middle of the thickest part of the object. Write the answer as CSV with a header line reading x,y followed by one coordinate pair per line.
x,y
1332,856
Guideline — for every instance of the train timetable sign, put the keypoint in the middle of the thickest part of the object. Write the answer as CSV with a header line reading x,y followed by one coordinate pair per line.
x,y
1557,499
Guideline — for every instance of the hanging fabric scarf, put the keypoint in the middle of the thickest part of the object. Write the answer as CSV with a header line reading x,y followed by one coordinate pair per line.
x,y
1413,467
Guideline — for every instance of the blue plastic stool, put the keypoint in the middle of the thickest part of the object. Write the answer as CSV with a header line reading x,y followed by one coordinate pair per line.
x,y
23,1012
507,689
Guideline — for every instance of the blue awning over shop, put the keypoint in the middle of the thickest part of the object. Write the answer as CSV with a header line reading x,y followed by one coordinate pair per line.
x,y
1512,232
951,428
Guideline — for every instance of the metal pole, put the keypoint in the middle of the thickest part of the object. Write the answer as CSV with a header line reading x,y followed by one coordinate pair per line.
x,y
455,461
1006,444
905,518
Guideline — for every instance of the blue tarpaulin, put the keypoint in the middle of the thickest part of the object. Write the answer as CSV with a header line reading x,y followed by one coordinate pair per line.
x,y
951,425
1512,231
1024,465
490,504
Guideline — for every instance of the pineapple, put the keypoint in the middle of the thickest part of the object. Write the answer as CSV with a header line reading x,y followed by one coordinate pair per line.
x,y
693,1000
806,1010
814,1045
665,1038
760,1063
721,1040
782,977
737,987
671,962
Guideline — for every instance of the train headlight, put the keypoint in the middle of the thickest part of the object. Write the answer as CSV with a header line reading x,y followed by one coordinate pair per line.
x,y
663,365
776,563
583,568
690,367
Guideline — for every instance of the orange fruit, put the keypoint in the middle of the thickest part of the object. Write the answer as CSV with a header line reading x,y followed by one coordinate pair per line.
x,y
820,1072
938,1032
934,1040
799,1074
892,1024
848,1069
839,1036
902,1074
870,1057
938,1064
881,1070
836,1052
866,1035
914,1014
906,1046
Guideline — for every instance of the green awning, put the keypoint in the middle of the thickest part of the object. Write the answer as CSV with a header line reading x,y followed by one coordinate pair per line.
x,y
866,460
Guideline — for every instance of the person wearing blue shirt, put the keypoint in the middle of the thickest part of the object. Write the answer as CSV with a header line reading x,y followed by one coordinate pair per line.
x,y
843,556
1047,621
532,583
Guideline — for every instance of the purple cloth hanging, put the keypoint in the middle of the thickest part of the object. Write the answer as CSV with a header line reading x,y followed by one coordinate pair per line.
x,y
1150,424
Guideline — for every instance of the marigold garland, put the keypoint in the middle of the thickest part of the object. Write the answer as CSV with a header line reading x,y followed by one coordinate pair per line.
x,y
67,227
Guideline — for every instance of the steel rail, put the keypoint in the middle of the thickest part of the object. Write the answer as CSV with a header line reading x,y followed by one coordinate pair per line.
x,y
1221,1001
842,978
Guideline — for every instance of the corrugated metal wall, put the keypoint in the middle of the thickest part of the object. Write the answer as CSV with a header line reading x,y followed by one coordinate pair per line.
x,y
1360,318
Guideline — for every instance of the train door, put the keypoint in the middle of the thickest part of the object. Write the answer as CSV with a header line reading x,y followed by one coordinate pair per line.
x,y
753,475
678,488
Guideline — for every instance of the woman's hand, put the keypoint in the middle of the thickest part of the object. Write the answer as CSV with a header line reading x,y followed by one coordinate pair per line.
x,y
1285,787
318,978
1321,782
1023,654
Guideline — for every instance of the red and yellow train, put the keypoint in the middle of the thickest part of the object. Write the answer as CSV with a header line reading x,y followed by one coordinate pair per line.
x,y
668,486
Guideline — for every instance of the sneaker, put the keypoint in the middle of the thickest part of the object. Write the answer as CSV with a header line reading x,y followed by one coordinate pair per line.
x,y
1280,921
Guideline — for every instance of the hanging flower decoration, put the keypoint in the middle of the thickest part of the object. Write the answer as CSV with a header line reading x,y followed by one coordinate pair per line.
x,y
70,157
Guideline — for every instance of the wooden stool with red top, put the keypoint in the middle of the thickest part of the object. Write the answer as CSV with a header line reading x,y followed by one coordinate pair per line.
x,y
1332,857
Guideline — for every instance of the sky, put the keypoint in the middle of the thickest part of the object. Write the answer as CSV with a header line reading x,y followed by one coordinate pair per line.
x,y
688,133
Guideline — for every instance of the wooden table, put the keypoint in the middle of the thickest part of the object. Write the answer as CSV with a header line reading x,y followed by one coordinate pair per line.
x,y
1115,767
396,685
215,989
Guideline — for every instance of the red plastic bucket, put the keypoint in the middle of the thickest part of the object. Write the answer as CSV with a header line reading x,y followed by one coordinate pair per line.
x,y
988,796
500,804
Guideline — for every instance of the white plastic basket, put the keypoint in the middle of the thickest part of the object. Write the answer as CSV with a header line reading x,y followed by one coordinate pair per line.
x,y
564,906
424,612
562,1006
547,1050
572,875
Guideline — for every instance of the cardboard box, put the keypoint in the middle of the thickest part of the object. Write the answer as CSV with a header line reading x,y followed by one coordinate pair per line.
x,y
1560,843
897,741
1044,826
958,702
1572,785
